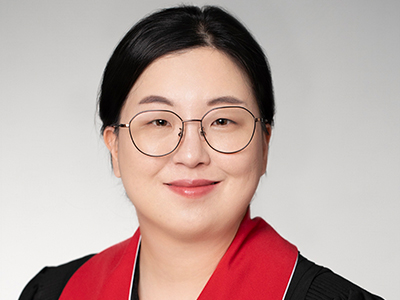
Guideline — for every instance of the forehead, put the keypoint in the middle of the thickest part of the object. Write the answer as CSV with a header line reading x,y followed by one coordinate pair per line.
x,y
191,79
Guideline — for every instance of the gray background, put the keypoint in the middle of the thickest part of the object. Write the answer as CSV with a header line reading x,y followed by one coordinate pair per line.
x,y
334,169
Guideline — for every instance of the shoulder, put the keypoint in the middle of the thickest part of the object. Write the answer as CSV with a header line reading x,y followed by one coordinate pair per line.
x,y
50,281
311,281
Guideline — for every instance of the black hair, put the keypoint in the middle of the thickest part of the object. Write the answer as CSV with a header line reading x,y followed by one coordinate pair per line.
x,y
175,29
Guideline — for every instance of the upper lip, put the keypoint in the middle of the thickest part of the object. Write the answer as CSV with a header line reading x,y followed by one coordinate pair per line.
x,y
191,182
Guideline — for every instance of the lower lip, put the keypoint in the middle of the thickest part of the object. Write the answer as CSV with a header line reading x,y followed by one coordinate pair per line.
x,y
193,191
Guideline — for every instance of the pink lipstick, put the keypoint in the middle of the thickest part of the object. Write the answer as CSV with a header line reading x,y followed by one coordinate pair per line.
x,y
195,188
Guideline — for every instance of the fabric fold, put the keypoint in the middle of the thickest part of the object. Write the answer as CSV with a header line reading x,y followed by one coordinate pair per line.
x,y
257,265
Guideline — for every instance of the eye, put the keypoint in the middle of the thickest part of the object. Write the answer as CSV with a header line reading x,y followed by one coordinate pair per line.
x,y
160,123
221,122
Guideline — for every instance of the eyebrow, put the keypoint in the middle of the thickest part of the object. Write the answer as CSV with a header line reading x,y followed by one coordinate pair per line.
x,y
216,101
224,100
156,99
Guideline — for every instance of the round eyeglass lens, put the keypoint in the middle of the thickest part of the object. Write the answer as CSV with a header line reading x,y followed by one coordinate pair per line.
x,y
228,129
155,133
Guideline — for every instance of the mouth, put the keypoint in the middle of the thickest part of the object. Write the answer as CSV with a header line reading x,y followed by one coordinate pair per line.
x,y
195,188
191,183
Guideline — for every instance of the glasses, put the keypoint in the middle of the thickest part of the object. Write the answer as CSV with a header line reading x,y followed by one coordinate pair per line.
x,y
227,129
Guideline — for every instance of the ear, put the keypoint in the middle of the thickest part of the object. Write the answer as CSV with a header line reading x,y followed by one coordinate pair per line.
x,y
266,138
111,141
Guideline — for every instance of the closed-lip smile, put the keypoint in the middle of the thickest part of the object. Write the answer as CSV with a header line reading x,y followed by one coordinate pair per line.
x,y
192,188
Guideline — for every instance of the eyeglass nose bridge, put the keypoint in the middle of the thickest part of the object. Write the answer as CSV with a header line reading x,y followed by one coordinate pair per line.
x,y
202,133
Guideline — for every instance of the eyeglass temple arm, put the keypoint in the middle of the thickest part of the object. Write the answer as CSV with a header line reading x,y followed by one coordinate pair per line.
x,y
121,125
261,120
264,123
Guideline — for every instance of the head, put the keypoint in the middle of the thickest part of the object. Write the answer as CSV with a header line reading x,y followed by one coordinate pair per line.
x,y
187,60
176,29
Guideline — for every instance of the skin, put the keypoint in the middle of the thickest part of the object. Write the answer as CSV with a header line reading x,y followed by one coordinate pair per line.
x,y
184,237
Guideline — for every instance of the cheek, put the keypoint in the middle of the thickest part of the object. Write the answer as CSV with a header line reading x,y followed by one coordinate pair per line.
x,y
137,170
246,165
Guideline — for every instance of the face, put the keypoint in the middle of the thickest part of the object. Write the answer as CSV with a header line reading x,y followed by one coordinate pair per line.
x,y
194,192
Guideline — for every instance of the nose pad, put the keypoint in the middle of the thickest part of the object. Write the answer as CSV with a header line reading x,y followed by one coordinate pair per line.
x,y
201,130
202,133
191,150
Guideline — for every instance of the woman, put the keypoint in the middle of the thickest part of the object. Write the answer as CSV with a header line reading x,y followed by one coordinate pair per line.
x,y
187,108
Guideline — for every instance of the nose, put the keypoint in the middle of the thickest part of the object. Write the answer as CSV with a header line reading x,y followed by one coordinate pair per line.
x,y
192,150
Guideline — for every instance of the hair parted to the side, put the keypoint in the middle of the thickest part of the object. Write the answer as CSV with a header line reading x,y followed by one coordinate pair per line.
x,y
175,29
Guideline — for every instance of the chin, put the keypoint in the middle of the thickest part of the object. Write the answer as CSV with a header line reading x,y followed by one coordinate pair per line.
x,y
193,228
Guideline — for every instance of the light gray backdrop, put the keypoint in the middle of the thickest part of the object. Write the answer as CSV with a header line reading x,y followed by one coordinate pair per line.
x,y
334,171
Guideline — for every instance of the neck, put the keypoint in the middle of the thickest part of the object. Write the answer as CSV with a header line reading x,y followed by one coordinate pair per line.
x,y
180,268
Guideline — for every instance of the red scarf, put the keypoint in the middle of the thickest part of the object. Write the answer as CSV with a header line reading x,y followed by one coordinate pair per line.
x,y
257,265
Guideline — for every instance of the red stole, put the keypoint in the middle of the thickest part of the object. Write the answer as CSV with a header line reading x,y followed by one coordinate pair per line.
x,y
257,265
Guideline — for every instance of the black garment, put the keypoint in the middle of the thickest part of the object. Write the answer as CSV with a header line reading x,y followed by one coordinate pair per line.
x,y
313,282
50,281
309,282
